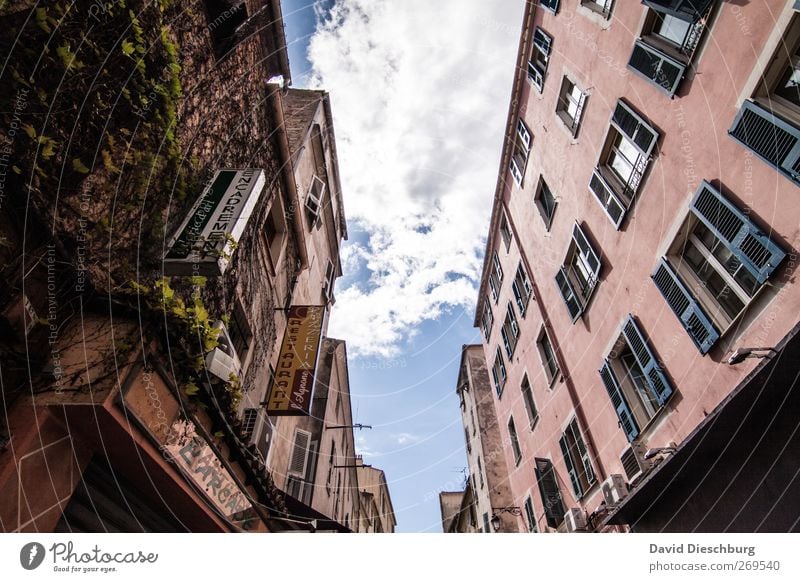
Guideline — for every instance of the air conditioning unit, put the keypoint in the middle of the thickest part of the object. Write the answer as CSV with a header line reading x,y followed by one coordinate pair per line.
x,y
614,489
574,520
634,463
223,361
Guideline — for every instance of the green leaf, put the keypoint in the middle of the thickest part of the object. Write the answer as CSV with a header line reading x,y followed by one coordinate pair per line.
x,y
127,47
29,130
41,20
16,169
78,166
190,388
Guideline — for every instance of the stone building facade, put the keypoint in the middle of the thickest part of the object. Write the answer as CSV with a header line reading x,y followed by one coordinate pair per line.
x,y
134,389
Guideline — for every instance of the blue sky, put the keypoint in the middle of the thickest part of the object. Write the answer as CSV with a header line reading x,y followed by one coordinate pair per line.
x,y
419,93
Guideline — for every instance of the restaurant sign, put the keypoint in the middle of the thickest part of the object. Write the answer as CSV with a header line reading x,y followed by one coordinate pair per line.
x,y
293,382
206,239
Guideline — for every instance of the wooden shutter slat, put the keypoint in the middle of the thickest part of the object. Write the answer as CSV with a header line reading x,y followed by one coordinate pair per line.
x,y
626,420
772,138
571,470
548,489
586,249
660,69
568,294
647,361
751,247
605,195
685,306
635,128
297,466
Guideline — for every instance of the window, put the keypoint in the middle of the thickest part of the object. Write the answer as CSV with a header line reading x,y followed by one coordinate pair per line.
x,y
512,435
769,124
480,471
634,380
223,20
551,5
275,233
239,331
495,277
671,34
472,416
545,202
530,405
468,441
505,231
715,266
548,488
330,281
519,156
600,6
522,289
301,465
548,356
540,56
331,463
249,422
623,161
499,372
510,331
315,200
486,523
529,515
577,278
487,319
571,101
576,458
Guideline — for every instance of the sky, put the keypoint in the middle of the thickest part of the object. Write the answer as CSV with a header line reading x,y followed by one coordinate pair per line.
x,y
419,92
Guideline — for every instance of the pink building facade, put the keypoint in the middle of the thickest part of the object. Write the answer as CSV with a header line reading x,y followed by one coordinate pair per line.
x,y
644,230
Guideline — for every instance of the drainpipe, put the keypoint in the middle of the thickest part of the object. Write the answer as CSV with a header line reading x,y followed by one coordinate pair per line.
x,y
287,171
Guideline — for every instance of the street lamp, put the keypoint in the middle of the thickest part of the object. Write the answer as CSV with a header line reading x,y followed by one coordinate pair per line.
x,y
513,510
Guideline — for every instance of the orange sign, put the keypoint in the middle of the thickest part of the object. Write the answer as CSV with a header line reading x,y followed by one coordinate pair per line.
x,y
290,393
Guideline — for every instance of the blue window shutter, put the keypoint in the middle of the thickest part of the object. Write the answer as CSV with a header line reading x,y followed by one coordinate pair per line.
x,y
660,69
605,195
685,306
626,420
568,294
568,461
634,127
548,488
773,139
647,360
754,249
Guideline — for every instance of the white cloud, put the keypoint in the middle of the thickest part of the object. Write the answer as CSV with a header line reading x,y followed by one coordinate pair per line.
x,y
419,92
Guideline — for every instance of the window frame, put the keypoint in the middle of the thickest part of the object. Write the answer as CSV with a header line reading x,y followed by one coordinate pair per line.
x,y
565,97
541,48
607,186
579,275
541,187
550,492
487,319
529,402
580,468
594,6
530,515
550,374
522,289
520,152
513,436
510,331
749,247
622,388
499,372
